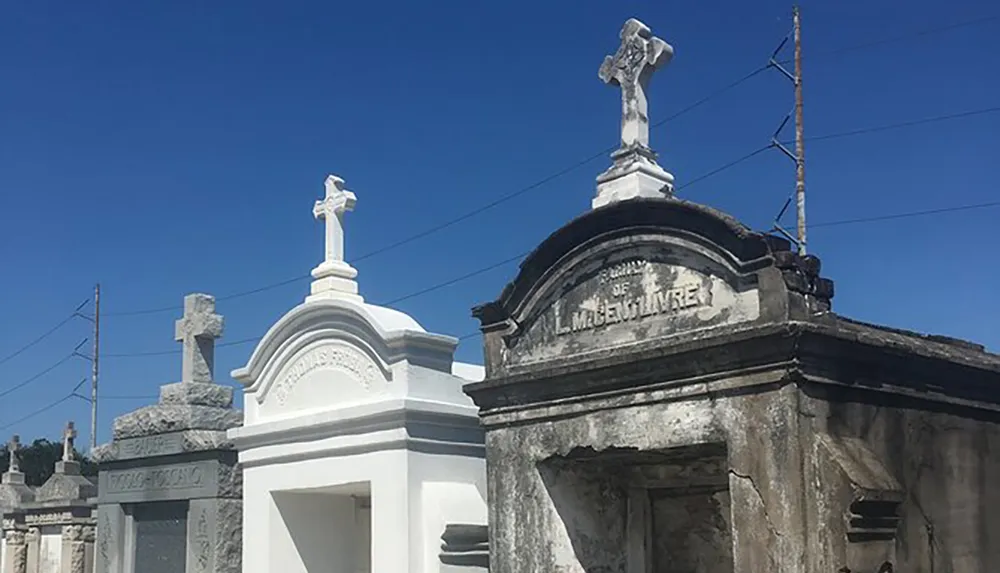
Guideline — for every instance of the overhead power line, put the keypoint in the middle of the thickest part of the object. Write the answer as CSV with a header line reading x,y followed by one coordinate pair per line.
x,y
509,260
36,412
694,181
24,383
908,215
46,334
521,191
898,125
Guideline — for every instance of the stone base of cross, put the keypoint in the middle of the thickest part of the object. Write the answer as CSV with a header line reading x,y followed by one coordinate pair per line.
x,y
334,279
634,173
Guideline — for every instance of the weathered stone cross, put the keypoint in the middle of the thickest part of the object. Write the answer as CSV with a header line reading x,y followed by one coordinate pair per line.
x,y
331,209
639,55
69,434
12,446
197,331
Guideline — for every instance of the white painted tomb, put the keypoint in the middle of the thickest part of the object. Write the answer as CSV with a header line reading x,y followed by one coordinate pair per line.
x,y
358,446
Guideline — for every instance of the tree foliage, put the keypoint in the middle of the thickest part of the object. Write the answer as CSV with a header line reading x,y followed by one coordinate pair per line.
x,y
39,459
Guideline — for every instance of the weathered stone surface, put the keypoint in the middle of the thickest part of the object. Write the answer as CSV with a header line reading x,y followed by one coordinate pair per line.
x,y
230,481
66,484
836,445
635,172
197,331
14,492
229,536
163,418
157,445
197,394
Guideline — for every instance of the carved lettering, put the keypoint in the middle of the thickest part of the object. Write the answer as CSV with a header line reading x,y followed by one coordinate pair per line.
x,y
152,479
358,365
629,301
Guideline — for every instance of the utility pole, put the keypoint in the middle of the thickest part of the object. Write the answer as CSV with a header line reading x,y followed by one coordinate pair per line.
x,y
94,362
800,145
799,156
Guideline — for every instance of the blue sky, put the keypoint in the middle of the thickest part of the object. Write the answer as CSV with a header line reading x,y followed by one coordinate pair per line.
x,y
165,148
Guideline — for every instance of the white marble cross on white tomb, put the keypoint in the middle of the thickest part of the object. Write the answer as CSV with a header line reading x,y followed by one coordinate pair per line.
x,y
12,446
197,331
331,209
639,55
69,434
635,172
334,276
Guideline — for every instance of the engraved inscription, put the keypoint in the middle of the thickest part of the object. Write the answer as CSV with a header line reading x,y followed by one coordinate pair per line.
x,y
103,538
148,446
355,363
202,540
151,479
623,299
47,518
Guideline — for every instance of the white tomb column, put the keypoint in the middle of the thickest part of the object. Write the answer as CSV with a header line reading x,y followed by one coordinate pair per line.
x,y
635,172
358,446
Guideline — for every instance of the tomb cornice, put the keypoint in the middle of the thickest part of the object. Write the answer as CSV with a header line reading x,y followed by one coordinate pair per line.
x,y
828,350
460,422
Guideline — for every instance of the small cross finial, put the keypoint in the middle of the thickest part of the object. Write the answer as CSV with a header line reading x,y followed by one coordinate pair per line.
x,y
69,434
331,209
638,56
12,446
197,331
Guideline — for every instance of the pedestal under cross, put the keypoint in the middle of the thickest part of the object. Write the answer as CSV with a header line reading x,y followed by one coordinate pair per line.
x,y
69,434
331,209
12,446
197,331
638,56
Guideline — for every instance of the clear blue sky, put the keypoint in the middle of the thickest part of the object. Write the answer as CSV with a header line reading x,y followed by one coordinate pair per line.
x,y
168,147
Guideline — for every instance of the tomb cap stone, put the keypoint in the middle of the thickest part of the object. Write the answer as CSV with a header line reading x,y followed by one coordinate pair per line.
x,y
635,172
66,483
193,408
13,490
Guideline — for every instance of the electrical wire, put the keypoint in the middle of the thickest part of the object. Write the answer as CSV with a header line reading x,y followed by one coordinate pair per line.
x,y
24,383
47,333
36,412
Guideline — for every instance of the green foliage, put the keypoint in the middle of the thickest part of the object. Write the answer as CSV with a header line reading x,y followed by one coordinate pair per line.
x,y
39,459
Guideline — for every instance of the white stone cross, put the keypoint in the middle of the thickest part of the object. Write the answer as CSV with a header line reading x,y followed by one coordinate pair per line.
x,y
197,331
12,446
331,209
69,434
639,55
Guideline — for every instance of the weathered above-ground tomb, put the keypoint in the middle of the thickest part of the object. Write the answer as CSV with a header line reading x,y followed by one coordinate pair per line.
x,y
669,391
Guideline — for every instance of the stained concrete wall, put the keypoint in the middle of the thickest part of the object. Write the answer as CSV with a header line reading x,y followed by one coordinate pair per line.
x,y
946,461
569,522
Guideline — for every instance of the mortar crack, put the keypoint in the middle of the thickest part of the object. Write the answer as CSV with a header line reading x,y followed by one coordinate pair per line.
x,y
767,516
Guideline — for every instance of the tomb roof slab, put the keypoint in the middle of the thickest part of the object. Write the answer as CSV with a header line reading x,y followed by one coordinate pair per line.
x,y
164,418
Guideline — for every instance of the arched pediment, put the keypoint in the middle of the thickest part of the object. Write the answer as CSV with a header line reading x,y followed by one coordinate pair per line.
x,y
331,352
628,272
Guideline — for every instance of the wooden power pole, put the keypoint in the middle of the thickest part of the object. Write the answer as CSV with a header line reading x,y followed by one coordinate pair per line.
x,y
94,362
800,145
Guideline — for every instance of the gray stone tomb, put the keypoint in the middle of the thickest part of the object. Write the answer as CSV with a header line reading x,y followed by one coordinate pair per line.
x,y
669,391
53,530
170,493
14,494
